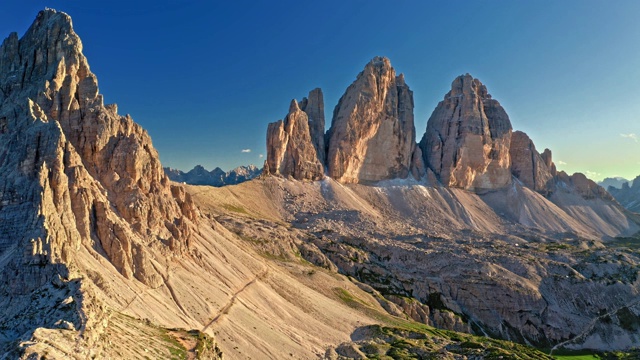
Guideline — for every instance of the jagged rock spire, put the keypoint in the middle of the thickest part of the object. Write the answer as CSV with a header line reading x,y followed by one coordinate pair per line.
x,y
468,137
372,135
533,169
291,150
313,106
81,174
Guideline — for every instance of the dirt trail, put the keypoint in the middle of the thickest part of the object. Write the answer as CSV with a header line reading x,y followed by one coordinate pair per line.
x,y
592,324
225,309
188,343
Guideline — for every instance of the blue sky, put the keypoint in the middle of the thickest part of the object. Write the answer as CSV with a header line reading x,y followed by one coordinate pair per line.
x,y
206,77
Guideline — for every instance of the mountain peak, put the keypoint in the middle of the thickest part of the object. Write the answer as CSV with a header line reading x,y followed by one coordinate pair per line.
x,y
468,85
88,149
372,134
468,137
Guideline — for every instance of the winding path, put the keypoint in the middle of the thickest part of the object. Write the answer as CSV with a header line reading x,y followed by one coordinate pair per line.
x,y
225,309
592,324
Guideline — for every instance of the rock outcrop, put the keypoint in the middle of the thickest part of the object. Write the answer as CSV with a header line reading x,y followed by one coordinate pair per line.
x,y
290,148
580,184
74,171
535,171
372,135
468,137
313,106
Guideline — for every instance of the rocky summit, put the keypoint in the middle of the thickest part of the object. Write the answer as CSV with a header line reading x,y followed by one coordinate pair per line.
x,y
468,138
80,173
534,170
290,148
353,244
372,136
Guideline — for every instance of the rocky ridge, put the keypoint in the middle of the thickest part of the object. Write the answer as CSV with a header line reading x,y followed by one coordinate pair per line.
x,y
534,170
76,175
468,143
616,182
372,135
216,177
88,174
628,195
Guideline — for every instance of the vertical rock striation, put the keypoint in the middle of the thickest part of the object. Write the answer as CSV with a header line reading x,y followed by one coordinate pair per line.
x,y
468,137
534,170
74,171
313,106
372,135
290,148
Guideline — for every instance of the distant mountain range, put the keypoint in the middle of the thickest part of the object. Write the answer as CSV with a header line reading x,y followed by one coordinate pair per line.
x,y
216,177
628,195
616,182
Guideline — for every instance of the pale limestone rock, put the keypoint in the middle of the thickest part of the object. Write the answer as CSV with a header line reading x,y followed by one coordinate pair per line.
x,y
417,164
290,150
467,139
314,107
74,171
372,134
581,185
535,171
546,157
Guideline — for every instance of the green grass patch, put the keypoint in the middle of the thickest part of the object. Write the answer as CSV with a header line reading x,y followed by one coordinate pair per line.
x,y
235,208
351,300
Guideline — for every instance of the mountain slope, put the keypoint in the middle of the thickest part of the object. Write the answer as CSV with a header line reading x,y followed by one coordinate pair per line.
x,y
103,256
94,237
448,259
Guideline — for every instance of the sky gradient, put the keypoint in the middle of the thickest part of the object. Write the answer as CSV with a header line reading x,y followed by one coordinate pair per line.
x,y
206,77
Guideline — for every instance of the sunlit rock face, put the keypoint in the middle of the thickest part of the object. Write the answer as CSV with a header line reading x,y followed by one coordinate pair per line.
x,y
468,137
290,147
313,106
533,169
372,135
74,172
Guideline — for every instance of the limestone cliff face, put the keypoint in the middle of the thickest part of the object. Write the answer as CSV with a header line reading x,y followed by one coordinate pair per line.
x,y
372,135
290,148
468,137
534,170
313,106
74,171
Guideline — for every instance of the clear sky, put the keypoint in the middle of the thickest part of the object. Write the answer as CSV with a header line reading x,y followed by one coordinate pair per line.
x,y
205,77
